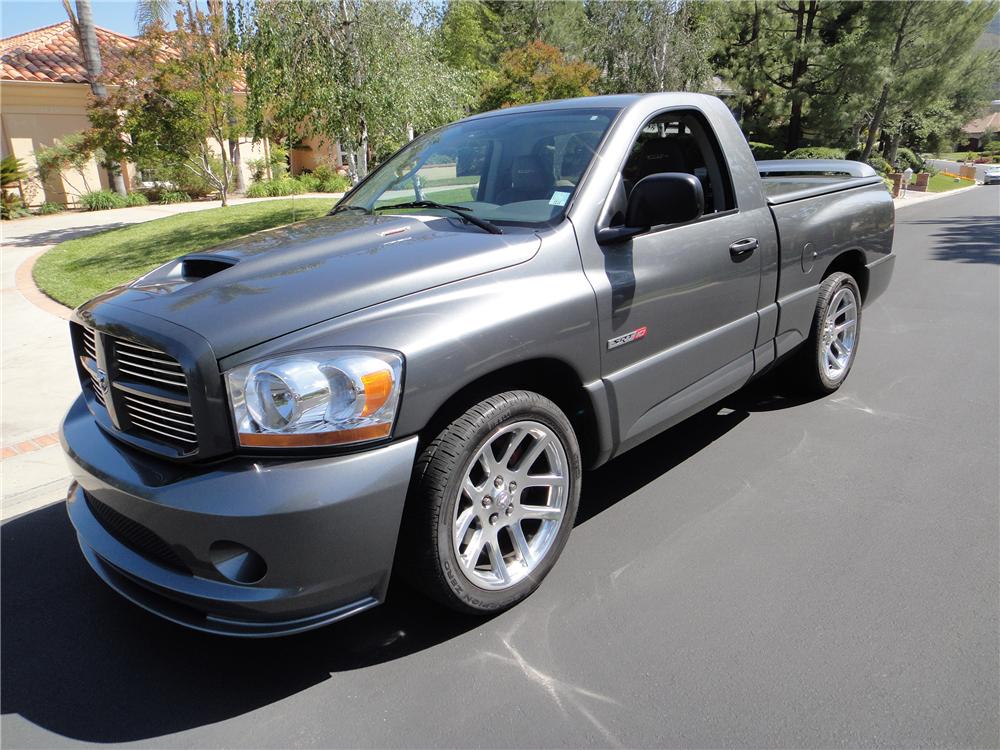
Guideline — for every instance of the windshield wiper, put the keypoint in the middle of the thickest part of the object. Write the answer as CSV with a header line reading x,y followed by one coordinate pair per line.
x,y
348,207
465,213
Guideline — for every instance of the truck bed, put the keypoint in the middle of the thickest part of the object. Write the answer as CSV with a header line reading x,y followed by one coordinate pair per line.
x,y
787,180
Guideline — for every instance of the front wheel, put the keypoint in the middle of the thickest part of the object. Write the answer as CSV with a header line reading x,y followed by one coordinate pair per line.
x,y
494,500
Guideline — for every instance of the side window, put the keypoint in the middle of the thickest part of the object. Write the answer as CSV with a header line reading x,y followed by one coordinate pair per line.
x,y
681,142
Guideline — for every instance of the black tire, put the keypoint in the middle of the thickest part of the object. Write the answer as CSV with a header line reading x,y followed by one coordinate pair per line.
x,y
811,376
432,564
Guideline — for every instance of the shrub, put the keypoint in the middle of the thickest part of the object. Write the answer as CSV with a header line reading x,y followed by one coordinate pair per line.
x,y
49,208
762,151
310,182
11,173
102,200
173,196
879,164
338,183
906,158
279,165
136,199
275,188
816,152
181,179
12,207
259,189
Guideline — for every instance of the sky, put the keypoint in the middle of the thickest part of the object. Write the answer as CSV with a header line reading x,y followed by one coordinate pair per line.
x,y
18,16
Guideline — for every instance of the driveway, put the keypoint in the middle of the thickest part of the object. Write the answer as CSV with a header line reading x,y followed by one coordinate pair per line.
x,y
38,380
772,573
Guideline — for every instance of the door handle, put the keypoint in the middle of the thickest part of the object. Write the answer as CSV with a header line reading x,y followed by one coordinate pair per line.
x,y
743,247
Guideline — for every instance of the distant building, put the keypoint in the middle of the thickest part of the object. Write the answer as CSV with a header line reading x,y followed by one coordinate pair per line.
x,y
973,133
44,94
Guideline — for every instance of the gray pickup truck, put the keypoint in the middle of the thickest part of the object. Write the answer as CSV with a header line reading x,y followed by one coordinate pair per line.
x,y
416,382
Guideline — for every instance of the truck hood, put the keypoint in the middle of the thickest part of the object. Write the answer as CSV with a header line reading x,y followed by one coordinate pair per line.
x,y
271,283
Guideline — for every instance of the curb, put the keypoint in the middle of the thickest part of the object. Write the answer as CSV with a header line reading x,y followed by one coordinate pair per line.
x,y
925,197
24,281
29,445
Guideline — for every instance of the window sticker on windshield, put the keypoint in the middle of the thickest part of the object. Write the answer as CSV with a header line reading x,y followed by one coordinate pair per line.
x,y
558,198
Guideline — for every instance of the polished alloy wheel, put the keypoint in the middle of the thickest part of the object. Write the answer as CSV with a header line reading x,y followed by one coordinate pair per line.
x,y
510,504
840,331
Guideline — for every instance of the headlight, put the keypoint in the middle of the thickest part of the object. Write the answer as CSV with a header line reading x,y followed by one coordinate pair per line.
x,y
314,398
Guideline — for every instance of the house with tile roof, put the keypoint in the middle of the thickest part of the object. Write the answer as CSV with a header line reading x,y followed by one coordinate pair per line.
x,y
44,95
988,124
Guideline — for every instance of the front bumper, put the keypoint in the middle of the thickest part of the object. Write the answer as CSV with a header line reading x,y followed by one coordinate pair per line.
x,y
319,534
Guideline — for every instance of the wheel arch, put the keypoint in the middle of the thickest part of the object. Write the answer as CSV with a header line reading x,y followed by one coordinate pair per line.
x,y
552,378
853,263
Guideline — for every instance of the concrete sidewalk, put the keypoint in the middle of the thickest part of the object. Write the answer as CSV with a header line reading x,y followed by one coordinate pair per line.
x,y
38,380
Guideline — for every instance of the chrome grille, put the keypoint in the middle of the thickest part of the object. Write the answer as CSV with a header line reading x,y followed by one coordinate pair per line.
x,y
145,389
164,418
90,350
148,365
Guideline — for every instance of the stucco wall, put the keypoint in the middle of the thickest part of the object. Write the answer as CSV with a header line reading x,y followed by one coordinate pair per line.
x,y
39,114
313,152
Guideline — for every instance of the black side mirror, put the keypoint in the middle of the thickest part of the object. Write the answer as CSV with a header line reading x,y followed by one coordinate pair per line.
x,y
662,198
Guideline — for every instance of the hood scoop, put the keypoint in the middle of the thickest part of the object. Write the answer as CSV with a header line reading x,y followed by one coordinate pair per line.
x,y
194,267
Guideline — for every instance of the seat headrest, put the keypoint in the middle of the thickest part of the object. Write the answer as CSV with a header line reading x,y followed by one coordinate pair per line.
x,y
661,155
528,173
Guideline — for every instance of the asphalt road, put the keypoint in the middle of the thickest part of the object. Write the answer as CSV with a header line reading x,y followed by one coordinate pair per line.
x,y
773,573
952,166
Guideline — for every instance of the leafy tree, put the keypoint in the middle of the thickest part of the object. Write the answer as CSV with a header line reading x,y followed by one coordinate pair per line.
x,y
469,35
926,44
177,103
538,72
74,151
150,13
786,56
559,23
360,70
651,45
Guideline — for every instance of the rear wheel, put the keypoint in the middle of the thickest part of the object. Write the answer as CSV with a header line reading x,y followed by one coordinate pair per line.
x,y
494,499
828,355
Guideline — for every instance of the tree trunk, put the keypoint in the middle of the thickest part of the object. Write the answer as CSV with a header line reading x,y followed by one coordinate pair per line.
x,y
894,147
876,122
234,158
86,37
805,17
883,99
363,151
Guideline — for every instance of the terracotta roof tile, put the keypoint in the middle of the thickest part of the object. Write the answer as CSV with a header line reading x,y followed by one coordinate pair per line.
x,y
52,54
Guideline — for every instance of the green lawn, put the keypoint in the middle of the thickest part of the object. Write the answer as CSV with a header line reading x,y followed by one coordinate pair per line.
x,y
940,183
953,155
76,270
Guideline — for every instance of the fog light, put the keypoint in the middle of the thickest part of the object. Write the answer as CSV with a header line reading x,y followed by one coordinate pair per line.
x,y
237,563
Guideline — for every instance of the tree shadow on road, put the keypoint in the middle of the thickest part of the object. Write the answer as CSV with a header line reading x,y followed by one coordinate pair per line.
x,y
966,239
80,661
55,236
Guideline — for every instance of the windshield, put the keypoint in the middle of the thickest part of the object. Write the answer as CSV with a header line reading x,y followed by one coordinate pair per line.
x,y
521,167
